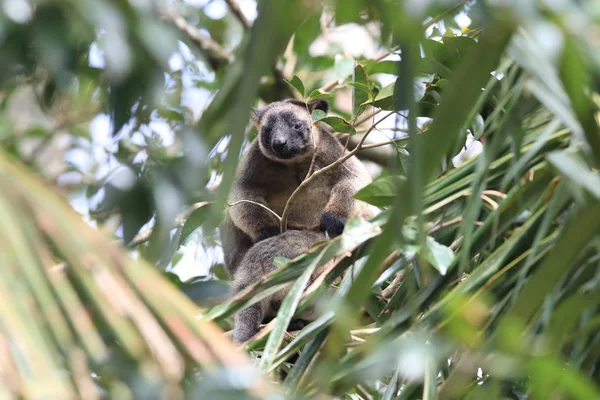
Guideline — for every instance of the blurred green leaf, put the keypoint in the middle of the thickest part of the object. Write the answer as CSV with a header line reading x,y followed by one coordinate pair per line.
x,y
576,170
477,127
343,67
438,255
382,191
338,124
297,84
284,316
317,94
360,91
575,237
318,115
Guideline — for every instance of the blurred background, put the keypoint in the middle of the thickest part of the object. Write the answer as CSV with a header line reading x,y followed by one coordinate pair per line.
x,y
122,123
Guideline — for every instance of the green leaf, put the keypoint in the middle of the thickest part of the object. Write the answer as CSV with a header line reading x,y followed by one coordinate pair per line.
x,y
305,35
438,255
443,58
477,127
318,115
550,376
338,124
206,292
315,327
385,92
565,318
193,222
281,261
555,265
385,97
458,100
420,86
359,95
317,94
306,357
381,191
385,67
297,84
285,314
576,77
343,67
576,170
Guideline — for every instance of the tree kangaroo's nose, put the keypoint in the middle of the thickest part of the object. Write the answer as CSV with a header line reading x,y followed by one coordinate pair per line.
x,y
278,144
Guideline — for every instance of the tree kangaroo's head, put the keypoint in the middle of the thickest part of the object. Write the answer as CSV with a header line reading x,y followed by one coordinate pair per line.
x,y
285,128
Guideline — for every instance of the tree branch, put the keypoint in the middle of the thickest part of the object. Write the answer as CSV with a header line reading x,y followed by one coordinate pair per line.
x,y
215,55
389,291
235,9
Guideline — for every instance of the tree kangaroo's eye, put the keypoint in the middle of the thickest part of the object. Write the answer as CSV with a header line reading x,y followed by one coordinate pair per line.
x,y
299,127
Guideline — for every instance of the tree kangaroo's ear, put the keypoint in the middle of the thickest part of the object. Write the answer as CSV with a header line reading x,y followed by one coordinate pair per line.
x,y
255,115
318,105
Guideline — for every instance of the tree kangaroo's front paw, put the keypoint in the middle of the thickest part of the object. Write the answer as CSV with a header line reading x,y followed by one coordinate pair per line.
x,y
332,224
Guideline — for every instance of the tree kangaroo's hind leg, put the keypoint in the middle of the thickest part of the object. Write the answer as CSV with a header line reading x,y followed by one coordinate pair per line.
x,y
257,261
247,323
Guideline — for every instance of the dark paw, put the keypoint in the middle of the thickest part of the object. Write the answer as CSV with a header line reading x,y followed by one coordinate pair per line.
x,y
267,233
332,224
297,325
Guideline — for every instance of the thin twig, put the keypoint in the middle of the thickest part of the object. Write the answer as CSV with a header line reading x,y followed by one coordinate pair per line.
x,y
306,181
491,202
216,55
495,193
256,204
235,9
389,291
445,224
441,16
374,145
389,260
367,118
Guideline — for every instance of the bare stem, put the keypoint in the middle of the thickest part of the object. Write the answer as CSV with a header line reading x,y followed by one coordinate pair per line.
x,y
216,55
256,204
389,291
374,145
446,224
367,118
235,9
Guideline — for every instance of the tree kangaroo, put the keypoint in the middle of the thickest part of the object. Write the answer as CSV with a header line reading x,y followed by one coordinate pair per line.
x,y
269,172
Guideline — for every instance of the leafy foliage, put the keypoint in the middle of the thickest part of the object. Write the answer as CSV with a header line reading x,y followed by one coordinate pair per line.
x,y
479,278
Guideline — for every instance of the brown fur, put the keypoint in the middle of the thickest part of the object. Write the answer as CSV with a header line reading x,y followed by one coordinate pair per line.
x,y
324,204
263,180
258,261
